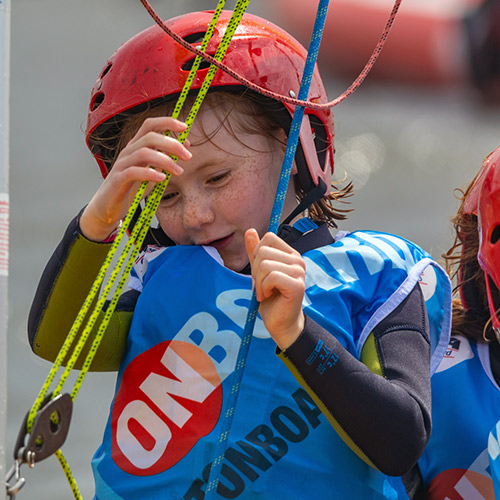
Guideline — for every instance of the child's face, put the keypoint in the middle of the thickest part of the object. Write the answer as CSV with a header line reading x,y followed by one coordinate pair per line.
x,y
226,188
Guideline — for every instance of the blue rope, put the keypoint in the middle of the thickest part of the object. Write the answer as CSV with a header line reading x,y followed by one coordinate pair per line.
x,y
293,139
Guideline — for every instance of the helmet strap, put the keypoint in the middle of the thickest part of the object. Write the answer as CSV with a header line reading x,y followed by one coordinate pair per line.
x,y
494,304
316,193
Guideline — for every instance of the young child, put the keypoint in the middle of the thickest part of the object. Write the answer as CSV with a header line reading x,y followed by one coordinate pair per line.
x,y
336,390
465,388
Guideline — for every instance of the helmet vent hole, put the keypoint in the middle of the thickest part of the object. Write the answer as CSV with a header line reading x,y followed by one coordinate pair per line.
x,y
194,37
97,101
495,235
189,64
105,70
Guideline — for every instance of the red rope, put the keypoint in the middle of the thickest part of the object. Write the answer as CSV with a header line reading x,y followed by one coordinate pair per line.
x,y
290,100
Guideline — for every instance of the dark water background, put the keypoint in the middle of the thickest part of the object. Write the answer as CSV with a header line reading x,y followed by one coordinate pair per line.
x,y
406,149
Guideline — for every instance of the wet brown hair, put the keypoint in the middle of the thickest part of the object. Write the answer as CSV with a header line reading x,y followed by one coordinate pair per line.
x,y
254,117
471,317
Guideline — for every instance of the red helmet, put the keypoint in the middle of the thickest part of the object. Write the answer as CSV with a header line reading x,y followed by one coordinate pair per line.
x,y
152,66
488,212
484,202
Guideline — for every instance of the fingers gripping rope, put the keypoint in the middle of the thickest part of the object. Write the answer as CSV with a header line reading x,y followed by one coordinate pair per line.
x,y
135,240
141,227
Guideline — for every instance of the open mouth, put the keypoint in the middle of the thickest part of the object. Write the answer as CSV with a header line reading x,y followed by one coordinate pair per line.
x,y
220,243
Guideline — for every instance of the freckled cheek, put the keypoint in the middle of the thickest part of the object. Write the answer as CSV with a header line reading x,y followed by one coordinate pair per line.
x,y
251,200
171,222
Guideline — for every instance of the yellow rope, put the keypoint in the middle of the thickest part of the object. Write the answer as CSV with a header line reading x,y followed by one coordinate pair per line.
x,y
132,247
69,475
139,231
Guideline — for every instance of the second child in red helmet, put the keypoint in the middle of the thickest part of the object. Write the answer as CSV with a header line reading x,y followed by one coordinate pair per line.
x,y
466,386
335,396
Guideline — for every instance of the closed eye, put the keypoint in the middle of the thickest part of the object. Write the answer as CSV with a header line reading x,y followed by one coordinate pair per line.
x,y
169,198
219,178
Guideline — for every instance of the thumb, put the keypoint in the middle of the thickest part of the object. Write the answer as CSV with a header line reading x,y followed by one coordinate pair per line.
x,y
251,241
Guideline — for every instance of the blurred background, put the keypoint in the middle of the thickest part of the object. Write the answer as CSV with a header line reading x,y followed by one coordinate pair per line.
x,y
416,129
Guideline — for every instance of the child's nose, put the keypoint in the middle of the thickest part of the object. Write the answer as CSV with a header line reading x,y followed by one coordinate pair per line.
x,y
197,212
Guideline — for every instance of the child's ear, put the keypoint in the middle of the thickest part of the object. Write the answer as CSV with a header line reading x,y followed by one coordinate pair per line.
x,y
294,169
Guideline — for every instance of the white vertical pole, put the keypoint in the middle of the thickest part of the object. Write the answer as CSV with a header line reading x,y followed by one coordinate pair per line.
x,y
5,11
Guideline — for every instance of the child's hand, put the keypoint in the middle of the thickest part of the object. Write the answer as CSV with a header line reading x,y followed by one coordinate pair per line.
x,y
278,272
144,158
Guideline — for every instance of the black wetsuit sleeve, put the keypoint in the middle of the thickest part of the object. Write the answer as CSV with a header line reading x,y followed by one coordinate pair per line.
x,y
382,413
63,288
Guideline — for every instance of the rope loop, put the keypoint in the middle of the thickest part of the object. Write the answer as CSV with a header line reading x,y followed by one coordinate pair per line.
x,y
284,98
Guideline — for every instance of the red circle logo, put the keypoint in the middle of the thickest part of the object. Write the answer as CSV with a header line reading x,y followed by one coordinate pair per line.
x,y
169,397
461,484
